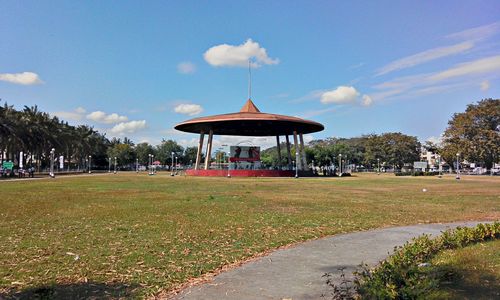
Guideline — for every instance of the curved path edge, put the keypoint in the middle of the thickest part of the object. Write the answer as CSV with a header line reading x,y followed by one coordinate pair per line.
x,y
296,272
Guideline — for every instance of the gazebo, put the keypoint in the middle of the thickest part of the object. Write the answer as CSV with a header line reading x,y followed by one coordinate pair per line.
x,y
250,121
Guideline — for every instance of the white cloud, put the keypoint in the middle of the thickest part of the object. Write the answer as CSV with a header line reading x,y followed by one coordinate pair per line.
x,y
102,117
313,113
75,115
477,33
186,67
128,127
480,66
188,109
435,140
485,85
25,78
80,110
229,55
457,77
367,100
424,57
341,95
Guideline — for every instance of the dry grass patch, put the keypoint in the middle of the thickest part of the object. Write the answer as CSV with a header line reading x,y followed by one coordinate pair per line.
x,y
139,235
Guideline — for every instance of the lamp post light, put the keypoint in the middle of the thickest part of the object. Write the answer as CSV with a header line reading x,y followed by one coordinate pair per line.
x,y
90,164
439,166
114,172
149,163
52,153
172,166
296,164
340,165
137,165
228,166
176,165
378,166
458,167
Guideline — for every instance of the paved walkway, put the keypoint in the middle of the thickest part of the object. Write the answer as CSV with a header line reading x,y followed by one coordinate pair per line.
x,y
295,273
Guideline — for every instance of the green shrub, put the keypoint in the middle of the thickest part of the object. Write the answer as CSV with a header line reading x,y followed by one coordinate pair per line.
x,y
401,276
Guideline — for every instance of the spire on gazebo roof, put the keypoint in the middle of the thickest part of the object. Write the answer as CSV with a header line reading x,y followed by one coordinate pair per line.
x,y
249,107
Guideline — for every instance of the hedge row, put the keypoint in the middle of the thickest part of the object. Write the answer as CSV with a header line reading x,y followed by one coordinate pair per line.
x,y
403,275
417,173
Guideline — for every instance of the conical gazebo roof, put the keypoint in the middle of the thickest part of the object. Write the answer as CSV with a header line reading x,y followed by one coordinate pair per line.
x,y
250,121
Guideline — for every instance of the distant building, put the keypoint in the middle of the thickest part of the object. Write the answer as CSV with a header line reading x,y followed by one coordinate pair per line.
x,y
432,158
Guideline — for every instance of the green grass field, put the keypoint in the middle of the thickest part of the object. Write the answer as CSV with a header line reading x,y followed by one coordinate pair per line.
x,y
468,273
138,235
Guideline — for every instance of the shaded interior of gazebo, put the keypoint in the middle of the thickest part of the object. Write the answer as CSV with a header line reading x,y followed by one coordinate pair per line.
x,y
249,121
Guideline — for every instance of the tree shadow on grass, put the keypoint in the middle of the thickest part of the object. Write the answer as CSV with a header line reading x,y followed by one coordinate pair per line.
x,y
463,284
89,290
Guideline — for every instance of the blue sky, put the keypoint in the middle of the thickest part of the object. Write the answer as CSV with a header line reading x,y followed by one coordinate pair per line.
x,y
136,68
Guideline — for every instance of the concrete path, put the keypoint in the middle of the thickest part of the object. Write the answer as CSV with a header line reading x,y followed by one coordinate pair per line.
x,y
295,273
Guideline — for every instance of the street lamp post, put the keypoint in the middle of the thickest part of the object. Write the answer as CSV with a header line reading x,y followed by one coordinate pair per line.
x,y
296,164
439,166
137,165
458,167
149,163
114,172
378,166
52,153
109,164
228,166
176,165
340,165
172,166
90,164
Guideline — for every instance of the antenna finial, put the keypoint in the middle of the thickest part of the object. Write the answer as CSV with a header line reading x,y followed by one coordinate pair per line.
x,y
249,80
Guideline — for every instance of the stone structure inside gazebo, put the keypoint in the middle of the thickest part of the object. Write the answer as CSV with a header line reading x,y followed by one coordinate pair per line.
x,y
250,121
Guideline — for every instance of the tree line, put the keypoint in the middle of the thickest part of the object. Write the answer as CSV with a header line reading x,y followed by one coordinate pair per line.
x,y
35,133
392,149
473,134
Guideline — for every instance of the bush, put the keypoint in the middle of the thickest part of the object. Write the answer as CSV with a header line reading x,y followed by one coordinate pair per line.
x,y
401,276
416,173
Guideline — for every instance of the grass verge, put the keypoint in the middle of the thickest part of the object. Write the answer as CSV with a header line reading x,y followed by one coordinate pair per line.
x,y
408,273
472,272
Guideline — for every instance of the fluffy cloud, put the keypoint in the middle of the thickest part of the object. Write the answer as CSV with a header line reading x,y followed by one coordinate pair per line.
x,y
25,78
229,55
128,127
102,117
75,115
186,67
341,95
188,109
367,100
345,95
424,57
485,85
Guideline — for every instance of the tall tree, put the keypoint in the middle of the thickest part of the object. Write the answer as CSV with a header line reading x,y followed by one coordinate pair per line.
x,y
165,149
143,150
474,134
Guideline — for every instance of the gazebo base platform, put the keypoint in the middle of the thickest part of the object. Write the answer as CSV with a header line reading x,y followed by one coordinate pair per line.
x,y
246,173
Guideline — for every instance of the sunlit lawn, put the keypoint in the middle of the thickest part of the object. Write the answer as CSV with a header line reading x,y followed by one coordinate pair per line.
x,y
469,273
136,235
